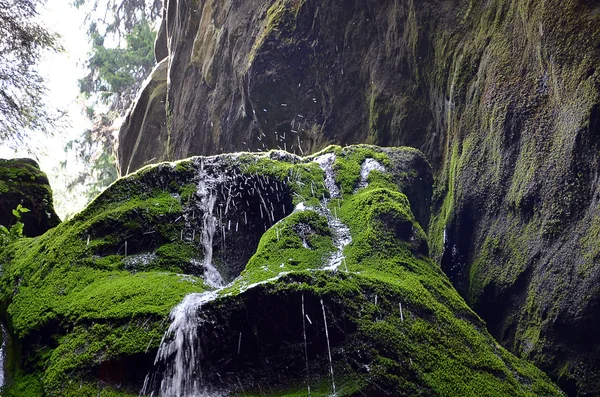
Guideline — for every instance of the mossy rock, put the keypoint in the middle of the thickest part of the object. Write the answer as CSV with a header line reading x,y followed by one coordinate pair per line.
x,y
22,182
86,304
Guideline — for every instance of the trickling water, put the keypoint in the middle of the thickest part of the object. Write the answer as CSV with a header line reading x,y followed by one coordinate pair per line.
x,y
206,192
341,232
326,163
365,169
304,317
180,351
3,354
328,347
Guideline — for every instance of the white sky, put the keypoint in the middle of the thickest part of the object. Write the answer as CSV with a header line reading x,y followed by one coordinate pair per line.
x,y
61,71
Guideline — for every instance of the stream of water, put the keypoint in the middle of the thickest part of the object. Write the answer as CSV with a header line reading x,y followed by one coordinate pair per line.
x,y
341,232
3,348
180,349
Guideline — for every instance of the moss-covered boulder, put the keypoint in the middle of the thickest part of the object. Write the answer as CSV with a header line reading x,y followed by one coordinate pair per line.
x,y
283,276
503,97
22,182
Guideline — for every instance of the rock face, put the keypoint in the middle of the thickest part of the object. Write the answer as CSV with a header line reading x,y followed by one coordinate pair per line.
x,y
22,182
300,276
501,96
148,113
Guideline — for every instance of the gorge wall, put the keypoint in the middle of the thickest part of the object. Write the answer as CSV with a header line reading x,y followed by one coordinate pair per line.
x,y
501,96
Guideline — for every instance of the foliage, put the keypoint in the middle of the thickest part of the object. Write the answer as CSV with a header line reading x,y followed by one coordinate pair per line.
x,y
22,42
116,74
121,57
16,231
95,150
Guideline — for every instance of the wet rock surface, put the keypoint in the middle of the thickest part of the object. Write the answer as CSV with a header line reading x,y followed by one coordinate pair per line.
x,y
244,251
502,97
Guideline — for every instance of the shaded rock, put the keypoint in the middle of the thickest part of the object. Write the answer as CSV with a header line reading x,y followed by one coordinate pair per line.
x,y
161,50
148,114
22,182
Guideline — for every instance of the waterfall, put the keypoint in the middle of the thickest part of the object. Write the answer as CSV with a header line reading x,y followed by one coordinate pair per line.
x,y
3,348
179,356
207,193
341,232
180,351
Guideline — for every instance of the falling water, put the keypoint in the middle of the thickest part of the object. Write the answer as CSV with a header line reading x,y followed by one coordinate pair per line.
x,y
341,232
180,350
3,354
206,192
328,347
305,346
180,353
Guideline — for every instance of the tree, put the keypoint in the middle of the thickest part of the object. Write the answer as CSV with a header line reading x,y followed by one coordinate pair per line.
x,y
22,42
121,57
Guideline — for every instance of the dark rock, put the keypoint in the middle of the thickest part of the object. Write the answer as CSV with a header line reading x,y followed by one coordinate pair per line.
x,y
22,182
502,97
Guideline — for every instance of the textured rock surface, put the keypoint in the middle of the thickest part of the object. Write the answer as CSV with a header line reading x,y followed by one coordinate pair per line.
x,y
501,96
148,114
22,182
86,302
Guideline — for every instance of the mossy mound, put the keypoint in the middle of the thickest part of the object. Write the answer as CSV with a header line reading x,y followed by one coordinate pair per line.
x,y
22,182
86,304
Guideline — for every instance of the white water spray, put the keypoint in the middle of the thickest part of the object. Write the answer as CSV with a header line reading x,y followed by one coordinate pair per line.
x,y
180,349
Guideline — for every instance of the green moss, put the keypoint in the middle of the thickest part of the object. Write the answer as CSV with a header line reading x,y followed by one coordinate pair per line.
x,y
25,386
86,347
95,291
348,165
438,346
280,17
98,286
301,241
23,183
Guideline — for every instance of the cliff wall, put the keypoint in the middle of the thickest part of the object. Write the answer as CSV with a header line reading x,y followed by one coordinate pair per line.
x,y
502,97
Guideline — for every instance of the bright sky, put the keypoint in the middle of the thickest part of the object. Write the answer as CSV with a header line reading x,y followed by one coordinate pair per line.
x,y
61,72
